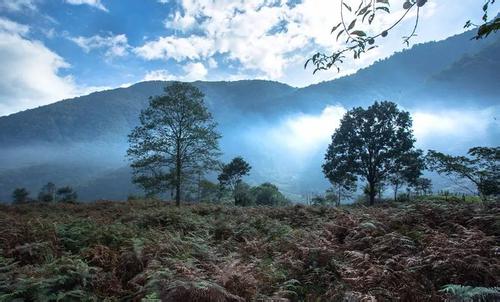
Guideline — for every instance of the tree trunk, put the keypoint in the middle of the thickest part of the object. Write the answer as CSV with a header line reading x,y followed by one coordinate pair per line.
x,y
373,193
338,201
178,187
178,176
396,187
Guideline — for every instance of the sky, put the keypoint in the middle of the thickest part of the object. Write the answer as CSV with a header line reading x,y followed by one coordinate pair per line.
x,y
56,49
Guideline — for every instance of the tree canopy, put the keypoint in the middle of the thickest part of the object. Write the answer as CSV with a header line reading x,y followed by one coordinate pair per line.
x,y
481,167
373,144
268,194
176,139
232,174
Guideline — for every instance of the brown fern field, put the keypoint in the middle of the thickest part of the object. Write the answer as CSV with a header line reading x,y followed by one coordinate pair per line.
x,y
153,251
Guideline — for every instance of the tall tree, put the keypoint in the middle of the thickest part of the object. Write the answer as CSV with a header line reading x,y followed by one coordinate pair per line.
x,y
369,143
232,174
481,167
176,138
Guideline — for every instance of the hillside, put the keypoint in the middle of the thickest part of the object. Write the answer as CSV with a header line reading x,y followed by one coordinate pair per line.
x,y
91,131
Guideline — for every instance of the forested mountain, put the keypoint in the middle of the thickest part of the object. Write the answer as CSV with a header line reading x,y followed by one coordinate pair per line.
x,y
87,135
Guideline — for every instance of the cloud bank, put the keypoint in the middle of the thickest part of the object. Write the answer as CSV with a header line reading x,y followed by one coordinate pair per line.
x,y
303,137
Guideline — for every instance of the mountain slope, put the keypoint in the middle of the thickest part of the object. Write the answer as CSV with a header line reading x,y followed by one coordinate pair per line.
x,y
87,135
402,76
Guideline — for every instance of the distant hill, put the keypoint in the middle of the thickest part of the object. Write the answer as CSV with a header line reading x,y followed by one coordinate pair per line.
x,y
87,135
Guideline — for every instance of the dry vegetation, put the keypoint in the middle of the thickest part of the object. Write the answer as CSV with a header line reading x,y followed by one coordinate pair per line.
x,y
151,251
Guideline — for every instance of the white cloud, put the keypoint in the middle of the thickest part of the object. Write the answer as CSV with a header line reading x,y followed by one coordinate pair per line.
x,y
212,63
115,46
192,72
195,71
10,27
31,72
179,49
17,5
272,38
180,22
95,3
303,136
452,127
159,75
299,136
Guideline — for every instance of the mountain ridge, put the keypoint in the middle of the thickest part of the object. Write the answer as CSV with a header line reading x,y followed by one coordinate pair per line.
x,y
92,130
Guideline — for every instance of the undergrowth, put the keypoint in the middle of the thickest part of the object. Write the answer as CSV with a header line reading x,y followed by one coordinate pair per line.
x,y
152,251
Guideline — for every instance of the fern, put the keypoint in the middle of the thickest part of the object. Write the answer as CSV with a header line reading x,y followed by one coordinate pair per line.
x,y
471,293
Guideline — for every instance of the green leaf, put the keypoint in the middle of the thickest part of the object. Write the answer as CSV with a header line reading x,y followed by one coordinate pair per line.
x,y
385,9
335,27
364,10
359,33
351,26
366,14
338,36
307,62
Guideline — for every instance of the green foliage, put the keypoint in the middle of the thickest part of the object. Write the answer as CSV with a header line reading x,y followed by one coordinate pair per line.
x,y
407,170
330,198
65,279
488,26
47,193
471,293
231,176
243,195
20,195
233,172
66,195
151,251
176,139
422,186
209,191
357,40
84,233
482,168
268,194
355,26
373,143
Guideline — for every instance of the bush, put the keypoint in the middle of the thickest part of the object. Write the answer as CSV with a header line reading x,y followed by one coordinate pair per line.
x,y
243,195
66,195
268,194
20,195
111,251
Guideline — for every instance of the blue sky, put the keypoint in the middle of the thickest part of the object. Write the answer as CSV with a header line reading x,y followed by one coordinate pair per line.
x,y
54,49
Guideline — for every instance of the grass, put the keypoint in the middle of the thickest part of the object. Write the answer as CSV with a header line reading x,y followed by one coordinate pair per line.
x,y
152,251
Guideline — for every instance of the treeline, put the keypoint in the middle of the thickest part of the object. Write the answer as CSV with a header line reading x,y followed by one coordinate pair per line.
x,y
49,193
175,150
176,146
